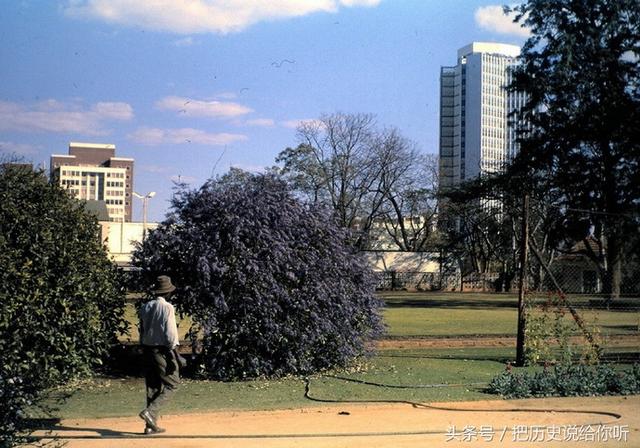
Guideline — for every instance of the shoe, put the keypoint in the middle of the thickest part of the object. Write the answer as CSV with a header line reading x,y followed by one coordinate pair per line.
x,y
151,423
149,431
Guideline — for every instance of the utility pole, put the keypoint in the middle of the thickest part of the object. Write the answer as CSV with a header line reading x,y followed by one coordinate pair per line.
x,y
145,199
522,318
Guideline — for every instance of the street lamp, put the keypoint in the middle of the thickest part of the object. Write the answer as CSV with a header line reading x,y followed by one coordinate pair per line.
x,y
145,199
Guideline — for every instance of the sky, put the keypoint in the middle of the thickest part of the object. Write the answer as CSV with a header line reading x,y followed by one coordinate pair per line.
x,y
190,88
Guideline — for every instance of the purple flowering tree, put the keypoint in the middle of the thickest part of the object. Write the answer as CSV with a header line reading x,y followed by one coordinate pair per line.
x,y
269,281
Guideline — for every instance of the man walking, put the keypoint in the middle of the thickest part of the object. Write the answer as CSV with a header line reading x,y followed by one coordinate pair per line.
x,y
159,338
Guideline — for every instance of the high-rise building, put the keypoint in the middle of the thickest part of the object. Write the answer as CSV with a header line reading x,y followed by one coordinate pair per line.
x,y
475,135
93,172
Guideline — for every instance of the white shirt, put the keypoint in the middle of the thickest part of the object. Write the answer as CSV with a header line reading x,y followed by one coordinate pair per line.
x,y
158,324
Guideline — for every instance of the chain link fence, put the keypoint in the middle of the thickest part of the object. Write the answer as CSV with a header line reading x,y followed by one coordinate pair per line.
x,y
576,309
573,308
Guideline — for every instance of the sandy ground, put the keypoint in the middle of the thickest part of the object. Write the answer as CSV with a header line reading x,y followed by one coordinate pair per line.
x,y
398,426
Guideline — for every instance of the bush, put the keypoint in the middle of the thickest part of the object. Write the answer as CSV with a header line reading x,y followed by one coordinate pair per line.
x,y
567,381
547,327
270,281
61,305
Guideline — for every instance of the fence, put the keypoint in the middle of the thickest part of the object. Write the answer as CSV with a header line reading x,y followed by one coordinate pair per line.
x,y
435,281
579,277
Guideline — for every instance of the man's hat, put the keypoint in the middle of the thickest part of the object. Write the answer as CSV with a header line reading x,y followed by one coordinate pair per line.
x,y
163,285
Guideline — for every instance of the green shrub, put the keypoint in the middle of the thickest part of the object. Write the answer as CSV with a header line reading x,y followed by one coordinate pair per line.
x,y
270,280
61,304
548,336
567,381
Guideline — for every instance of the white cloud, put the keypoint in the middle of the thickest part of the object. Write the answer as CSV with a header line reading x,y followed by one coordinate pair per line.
x,y
294,124
227,95
201,16
156,136
18,148
264,122
199,108
351,3
184,42
492,18
114,111
55,116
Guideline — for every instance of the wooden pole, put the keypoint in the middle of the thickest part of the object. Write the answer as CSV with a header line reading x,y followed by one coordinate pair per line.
x,y
522,318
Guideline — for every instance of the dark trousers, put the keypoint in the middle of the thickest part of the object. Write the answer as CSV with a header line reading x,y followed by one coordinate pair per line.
x,y
161,377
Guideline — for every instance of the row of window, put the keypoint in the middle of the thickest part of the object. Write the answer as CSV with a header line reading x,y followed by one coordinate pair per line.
x,y
496,64
488,144
70,173
77,182
92,183
493,154
90,194
493,122
493,132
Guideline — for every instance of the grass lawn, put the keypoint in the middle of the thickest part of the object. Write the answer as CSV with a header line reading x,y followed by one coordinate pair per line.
x,y
454,314
464,314
406,315
111,397
107,397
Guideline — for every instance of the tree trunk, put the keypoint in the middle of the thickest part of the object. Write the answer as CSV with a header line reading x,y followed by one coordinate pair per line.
x,y
613,278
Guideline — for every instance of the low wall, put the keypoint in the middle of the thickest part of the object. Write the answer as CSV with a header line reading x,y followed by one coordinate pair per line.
x,y
406,270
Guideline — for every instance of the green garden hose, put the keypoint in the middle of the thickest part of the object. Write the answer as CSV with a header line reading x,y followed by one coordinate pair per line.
x,y
415,404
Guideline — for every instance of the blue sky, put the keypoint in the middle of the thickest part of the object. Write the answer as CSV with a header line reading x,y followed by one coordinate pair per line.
x,y
189,88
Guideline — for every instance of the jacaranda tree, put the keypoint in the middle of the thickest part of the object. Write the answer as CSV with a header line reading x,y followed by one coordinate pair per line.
x,y
61,303
270,281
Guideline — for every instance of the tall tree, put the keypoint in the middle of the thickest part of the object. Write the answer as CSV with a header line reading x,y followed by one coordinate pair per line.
x,y
581,71
410,207
346,162
61,299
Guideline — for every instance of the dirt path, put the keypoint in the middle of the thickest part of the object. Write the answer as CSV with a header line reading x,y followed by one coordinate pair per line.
x,y
397,426
497,341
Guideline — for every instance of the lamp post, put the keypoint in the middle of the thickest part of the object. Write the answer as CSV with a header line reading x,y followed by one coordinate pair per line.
x,y
145,199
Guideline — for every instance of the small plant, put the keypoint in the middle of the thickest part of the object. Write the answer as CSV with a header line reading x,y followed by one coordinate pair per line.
x,y
548,327
567,381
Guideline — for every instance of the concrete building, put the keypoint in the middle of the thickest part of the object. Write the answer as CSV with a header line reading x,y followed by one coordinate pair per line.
x,y
93,172
475,137
121,238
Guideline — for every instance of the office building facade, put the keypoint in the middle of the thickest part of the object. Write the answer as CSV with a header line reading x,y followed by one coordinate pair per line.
x,y
475,135
93,172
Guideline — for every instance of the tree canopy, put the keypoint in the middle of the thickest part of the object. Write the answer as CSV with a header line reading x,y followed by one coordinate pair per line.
x,y
61,303
270,281
375,180
580,133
